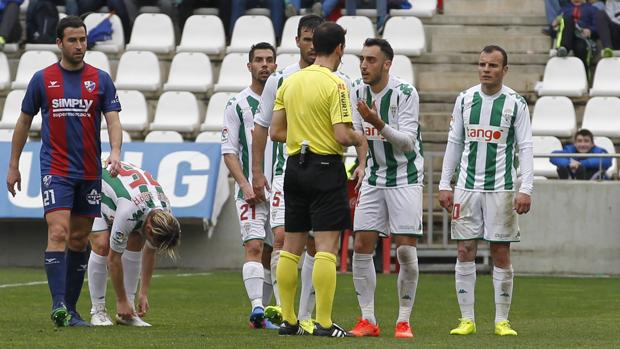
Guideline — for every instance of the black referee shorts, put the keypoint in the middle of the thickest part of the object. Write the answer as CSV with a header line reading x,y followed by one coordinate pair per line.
x,y
316,194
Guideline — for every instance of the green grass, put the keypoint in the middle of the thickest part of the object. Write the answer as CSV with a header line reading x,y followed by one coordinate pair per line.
x,y
210,311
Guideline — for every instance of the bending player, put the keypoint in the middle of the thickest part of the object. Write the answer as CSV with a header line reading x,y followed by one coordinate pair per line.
x,y
135,213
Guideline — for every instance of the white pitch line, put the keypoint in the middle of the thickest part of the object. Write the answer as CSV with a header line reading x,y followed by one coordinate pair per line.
x,y
34,283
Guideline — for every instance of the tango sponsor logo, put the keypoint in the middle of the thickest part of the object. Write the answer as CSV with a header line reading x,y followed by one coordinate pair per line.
x,y
487,134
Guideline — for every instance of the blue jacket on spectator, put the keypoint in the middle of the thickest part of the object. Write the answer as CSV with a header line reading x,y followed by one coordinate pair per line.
x,y
586,18
3,3
590,163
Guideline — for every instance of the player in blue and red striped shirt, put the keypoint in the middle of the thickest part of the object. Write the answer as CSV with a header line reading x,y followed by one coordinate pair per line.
x,y
71,95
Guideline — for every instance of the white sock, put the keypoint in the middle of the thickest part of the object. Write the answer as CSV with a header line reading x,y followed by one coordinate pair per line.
x,y
502,283
275,257
131,273
267,287
306,297
97,278
365,282
407,280
465,277
253,276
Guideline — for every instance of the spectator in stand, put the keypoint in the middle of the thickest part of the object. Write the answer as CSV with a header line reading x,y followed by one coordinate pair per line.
x,y
118,6
553,8
10,28
276,7
577,31
608,27
587,168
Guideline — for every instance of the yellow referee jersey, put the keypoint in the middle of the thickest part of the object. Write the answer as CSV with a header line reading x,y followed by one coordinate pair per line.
x,y
314,99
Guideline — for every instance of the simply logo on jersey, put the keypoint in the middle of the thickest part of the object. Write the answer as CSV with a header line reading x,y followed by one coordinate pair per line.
x,y
487,134
93,197
90,85
71,104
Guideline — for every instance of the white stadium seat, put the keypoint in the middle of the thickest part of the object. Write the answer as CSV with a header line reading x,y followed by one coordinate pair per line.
x,y
12,110
138,70
289,33
163,137
545,145
152,32
402,68
608,145
406,35
116,43
214,119
606,78
250,30
134,116
203,137
602,116
29,63
554,116
6,135
234,74
563,77
190,71
105,137
285,59
98,60
359,29
176,111
350,66
5,72
419,8
203,34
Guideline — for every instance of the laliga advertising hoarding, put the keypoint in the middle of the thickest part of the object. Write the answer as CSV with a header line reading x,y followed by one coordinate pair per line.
x,y
186,171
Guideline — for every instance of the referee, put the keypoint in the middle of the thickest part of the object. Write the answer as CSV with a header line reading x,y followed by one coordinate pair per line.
x,y
312,114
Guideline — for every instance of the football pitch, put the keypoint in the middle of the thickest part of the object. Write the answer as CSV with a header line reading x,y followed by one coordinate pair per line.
x,y
190,309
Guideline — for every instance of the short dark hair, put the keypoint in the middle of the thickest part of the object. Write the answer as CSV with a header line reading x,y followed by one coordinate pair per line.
x,y
383,44
262,46
309,22
327,36
492,48
69,22
584,133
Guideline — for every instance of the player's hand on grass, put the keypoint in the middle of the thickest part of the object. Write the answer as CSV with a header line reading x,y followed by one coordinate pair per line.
x,y
248,193
358,174
446,200
143,305
13,177
113,164
124,309
522,203
259,184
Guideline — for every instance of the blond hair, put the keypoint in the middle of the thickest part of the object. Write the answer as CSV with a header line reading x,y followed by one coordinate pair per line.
x,y
166,231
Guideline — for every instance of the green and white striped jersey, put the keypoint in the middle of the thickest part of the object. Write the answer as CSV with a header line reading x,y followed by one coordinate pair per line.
x,y
398,106
489,128
237,133
126,201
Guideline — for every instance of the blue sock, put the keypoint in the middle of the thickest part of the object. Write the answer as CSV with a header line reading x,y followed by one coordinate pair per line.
x,y
56,270
77,262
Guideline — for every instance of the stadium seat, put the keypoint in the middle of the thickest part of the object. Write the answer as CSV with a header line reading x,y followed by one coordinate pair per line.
x,y
190,71
406,35
163,137
608,145
563,77
176,111
138,70
250,30
285,59
152,32
258,11
207,11
116,43
214,118
358,28
602,116
134,116
289,33
99,60
419,8
606,78
203,34
350,66
554,116
5,72
234,74
105,137
203,137
6,135
29,63
12,110
545,145
402,68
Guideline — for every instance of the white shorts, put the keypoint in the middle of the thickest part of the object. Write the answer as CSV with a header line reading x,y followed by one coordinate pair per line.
x,y
484,215
254,221
276,207
389,210
99,224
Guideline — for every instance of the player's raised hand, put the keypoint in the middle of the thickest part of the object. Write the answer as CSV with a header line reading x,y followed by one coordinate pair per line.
x,y
523,202
259,185
13,177
358,175
124,309
248,193
143,305
446,200
113,164
369,115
